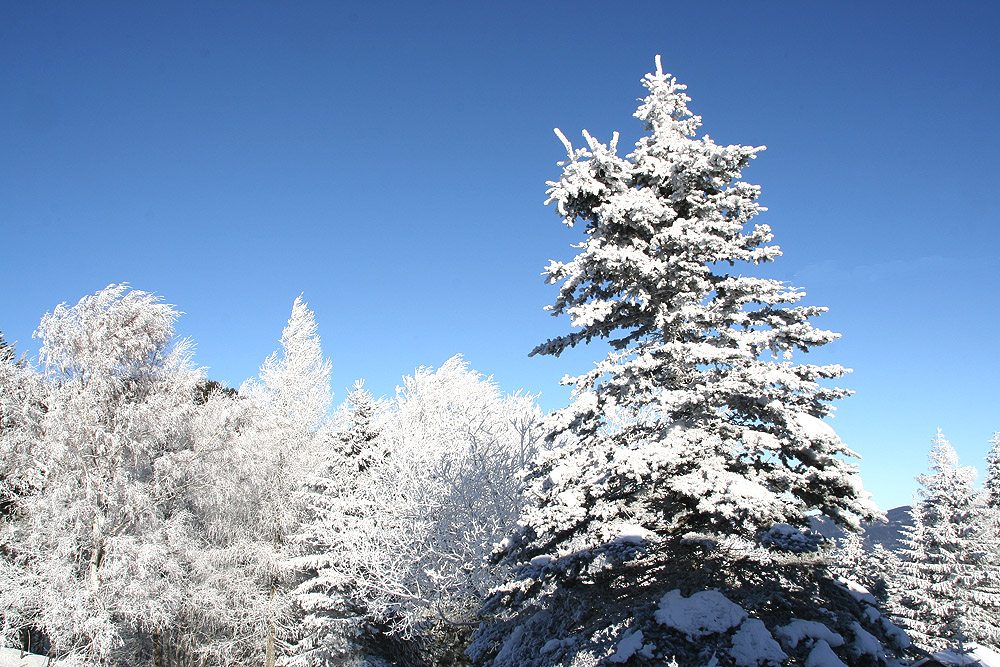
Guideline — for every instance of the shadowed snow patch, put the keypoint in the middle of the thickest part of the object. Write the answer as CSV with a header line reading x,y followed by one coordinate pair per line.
x,y
753,645
704,613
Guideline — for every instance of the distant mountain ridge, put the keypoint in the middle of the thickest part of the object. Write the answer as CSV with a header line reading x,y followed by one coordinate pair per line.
x,y
889,533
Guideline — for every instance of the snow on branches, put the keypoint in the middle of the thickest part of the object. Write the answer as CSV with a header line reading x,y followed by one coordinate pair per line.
x,y
696,442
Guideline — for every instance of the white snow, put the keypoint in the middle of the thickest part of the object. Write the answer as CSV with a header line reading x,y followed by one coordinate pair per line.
x,y
551,645
539,561
571,498
865,643
753,645
823,656
859,592
815,428
704,613
512,642
791,634
12,657
555,644
628,645
986,656
897,635
631,533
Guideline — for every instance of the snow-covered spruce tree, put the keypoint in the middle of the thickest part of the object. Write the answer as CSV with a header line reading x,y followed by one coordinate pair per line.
x,y
910,586
945,593
991,485
333,611
100,543
849,558
989,528
697,446
878,573
358,444
8,352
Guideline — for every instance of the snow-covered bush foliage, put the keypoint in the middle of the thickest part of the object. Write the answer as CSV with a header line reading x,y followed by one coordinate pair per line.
x,y
412,496
146,516
99,545
947,587
693,438
21,411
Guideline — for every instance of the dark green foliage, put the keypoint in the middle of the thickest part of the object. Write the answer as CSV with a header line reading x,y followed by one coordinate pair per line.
x,y
592,610
206,388
8,353
442,644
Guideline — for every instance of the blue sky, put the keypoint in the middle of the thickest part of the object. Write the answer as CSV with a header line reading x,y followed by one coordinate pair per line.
x,y
389,160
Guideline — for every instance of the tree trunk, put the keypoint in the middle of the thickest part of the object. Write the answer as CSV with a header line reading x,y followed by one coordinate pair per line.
x,y
95,557
269,657
157,649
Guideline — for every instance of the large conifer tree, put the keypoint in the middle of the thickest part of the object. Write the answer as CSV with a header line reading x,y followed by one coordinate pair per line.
x,y
696,441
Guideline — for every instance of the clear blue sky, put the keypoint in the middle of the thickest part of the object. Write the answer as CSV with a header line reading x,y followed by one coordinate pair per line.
x,y
389,160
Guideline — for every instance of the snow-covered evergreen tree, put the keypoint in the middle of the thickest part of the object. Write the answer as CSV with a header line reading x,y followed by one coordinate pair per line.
x,y
910,587
874,567
880,569
359,443
991,485
8,352
696,442
849,558
945,592
989,531
333,607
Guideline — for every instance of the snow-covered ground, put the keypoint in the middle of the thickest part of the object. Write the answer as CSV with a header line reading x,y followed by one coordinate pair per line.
x,y
12,657
982,655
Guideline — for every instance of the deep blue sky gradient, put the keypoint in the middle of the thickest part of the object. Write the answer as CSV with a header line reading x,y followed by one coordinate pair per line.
x,y
389,160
